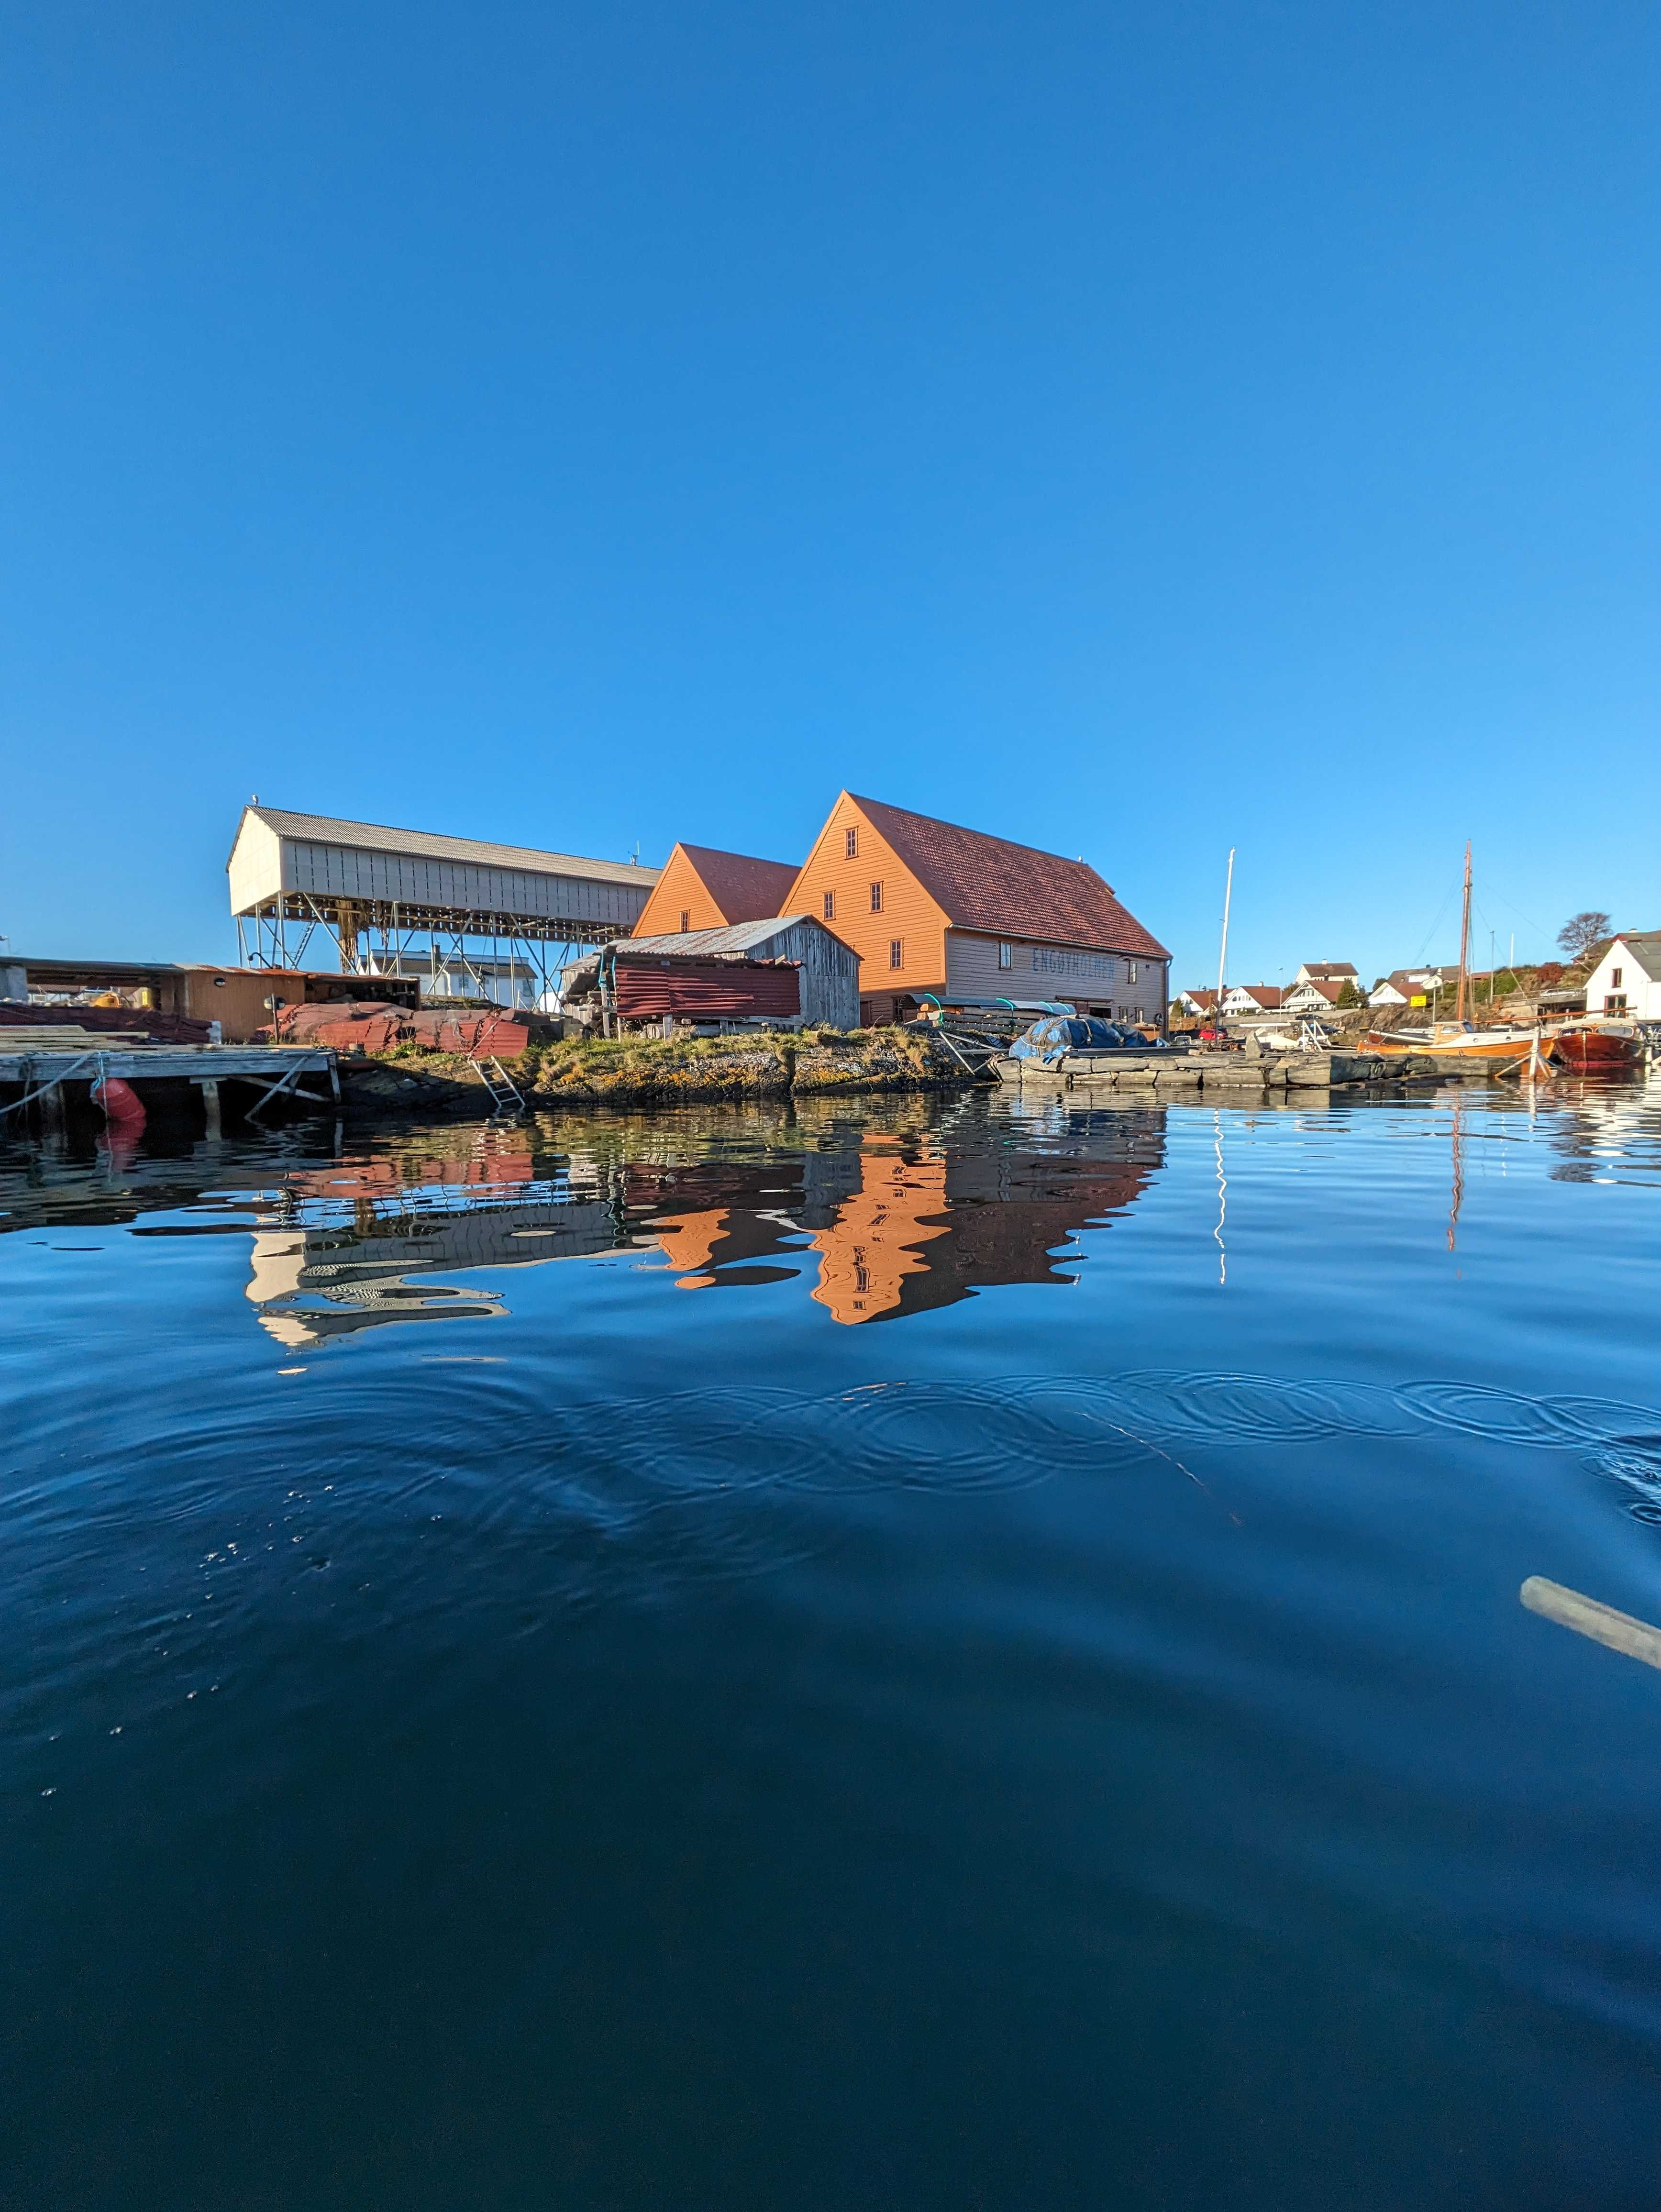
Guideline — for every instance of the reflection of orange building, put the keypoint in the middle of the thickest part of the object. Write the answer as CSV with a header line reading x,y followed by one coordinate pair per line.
x,y
923,1234
689,1242
901,1225
876,1240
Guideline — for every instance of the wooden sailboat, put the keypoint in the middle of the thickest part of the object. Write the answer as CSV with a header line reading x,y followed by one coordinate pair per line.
x,y
1459,1039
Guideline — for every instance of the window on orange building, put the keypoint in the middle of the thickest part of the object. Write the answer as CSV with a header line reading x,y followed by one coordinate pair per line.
x,y
829,906
851,843
876,904
896,952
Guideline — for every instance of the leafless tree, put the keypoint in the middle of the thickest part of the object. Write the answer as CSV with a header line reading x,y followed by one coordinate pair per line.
x,y
1582,931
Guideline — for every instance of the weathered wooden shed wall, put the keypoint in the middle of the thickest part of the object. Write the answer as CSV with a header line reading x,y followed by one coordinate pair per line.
x,y
829,969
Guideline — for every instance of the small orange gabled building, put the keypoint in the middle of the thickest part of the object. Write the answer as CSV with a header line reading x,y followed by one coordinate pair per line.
x,y
700,888
931,908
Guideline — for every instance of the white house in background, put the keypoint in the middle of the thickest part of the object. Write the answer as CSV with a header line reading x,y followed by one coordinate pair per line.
x,y
1252,999
1200,1004
1316,994
1327,971
1412,987
1628,979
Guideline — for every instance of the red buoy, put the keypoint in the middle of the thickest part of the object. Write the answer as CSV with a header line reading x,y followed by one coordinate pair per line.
x,y
124,1109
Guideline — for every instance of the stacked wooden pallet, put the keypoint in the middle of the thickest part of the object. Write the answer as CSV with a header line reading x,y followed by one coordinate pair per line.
x,y
69,1037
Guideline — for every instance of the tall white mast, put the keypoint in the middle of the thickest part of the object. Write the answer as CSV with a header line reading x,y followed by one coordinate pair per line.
x,y
1222,956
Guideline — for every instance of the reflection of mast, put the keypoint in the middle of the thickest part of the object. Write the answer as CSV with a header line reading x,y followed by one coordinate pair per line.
x,y
1464,940
1458,1194
1222,1199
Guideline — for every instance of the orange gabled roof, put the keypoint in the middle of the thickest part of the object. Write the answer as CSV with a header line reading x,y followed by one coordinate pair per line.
x,y
986,883
743,887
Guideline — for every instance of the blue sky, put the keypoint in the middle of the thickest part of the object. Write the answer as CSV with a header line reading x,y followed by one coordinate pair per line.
x,y
1140,430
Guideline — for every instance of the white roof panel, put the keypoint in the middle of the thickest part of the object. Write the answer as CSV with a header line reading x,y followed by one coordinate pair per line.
x,y
425,844
740,937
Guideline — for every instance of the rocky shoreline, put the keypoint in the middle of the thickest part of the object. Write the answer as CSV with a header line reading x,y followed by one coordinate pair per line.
x,y
638,1071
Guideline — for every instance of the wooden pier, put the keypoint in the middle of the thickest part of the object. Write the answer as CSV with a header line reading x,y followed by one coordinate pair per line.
x,y
49,1077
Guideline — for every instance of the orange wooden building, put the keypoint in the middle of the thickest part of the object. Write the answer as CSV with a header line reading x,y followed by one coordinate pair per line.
x,y
700,888
931,908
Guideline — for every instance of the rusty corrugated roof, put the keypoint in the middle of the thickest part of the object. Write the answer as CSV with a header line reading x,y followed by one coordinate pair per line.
x,y
991,884
701,944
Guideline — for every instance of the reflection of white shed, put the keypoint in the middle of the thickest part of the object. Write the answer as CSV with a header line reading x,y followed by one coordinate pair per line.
x,y
1628,979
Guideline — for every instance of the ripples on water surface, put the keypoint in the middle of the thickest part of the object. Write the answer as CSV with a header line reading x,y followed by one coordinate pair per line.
x,y
910,1654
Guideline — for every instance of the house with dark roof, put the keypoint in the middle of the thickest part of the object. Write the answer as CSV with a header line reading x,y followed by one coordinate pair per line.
x,y
1317,995
933,909
1252,999
703,888
1415,987
1328,971
1628,977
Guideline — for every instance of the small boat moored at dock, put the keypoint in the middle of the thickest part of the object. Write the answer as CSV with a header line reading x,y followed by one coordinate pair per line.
x,y
1598,1048
1461,1040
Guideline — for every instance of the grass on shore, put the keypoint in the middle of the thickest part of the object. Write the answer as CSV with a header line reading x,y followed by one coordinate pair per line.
x,y
755,1062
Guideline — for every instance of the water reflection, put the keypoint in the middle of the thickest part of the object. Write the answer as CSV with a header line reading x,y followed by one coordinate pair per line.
x,y
885,1221
1095,1695
909,1206
880,1211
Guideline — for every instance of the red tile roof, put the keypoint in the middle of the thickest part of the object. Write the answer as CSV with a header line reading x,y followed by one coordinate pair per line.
x,y
989,884
744,888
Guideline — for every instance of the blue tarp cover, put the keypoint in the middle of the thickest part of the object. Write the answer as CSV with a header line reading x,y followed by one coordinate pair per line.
x,y
1057,1035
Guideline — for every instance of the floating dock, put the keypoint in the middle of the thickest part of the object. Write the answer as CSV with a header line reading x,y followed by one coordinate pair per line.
x,y
1168,1073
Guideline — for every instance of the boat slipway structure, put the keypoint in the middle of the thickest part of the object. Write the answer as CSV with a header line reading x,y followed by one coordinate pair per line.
x,y
387,897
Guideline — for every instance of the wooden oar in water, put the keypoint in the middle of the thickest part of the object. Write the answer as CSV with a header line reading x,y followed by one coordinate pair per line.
x,y
1587,1617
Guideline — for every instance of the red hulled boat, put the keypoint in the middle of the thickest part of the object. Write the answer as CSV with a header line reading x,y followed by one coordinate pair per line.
x,y
1597,1048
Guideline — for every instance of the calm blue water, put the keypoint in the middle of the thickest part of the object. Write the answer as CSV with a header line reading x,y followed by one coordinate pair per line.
x,y
908,1654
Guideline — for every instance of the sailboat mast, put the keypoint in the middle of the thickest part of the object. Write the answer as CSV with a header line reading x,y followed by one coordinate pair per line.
x,y
1464,939
1222,956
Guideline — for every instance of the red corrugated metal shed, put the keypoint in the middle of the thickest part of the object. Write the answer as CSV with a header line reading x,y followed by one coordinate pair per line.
x,y
372,1025
708,990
